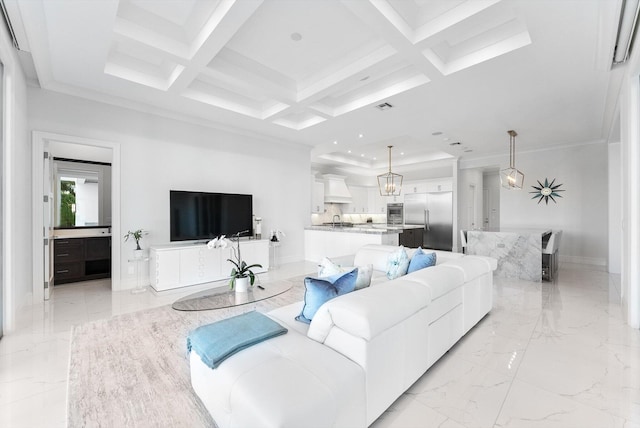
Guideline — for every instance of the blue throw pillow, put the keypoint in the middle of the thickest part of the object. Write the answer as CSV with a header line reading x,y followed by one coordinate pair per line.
x,y
318,291
397,263
421,260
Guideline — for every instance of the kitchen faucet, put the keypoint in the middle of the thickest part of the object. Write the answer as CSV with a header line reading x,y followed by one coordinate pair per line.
x,y
333,220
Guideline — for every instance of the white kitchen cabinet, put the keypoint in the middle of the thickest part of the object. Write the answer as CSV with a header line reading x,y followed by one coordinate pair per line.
x,y
317,196
428,186
440,186
416,187
377,202
396,199
183,264
319,243
360,200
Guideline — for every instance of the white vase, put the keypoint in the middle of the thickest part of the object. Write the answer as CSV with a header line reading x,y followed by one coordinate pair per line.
x,y
138,254
242,285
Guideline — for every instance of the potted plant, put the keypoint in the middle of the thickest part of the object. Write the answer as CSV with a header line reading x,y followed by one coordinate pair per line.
x,y
137,236
241,275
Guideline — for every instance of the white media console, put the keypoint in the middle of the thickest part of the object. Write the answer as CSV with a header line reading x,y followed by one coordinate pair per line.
x,y
182,264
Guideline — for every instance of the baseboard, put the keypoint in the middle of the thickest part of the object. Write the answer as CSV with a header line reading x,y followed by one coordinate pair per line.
x,y
594,261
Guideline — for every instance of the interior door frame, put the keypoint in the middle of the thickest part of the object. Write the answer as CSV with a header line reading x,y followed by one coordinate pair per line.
x,y
39,139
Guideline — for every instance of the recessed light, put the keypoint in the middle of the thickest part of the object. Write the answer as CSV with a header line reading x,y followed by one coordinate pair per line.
x,y
335,142
349,151
296,37
457,143
402,153
362,155
436,133
375,158
360,135
364,78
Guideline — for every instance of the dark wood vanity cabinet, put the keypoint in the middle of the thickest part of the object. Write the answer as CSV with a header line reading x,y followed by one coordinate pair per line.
x,y
81,259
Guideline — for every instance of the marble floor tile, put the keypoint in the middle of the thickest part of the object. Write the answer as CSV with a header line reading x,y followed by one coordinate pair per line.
x,y
465,392
408,412
551,354
530,407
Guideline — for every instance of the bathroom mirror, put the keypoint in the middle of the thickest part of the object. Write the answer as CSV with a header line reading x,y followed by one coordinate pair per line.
x,y
82,193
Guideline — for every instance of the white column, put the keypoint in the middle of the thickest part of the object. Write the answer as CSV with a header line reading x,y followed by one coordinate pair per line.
x,y
630,133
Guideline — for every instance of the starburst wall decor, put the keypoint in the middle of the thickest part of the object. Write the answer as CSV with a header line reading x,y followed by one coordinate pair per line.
x,y
547,191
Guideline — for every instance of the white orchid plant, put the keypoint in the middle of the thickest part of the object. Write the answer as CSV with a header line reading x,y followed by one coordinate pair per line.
x,y
240,268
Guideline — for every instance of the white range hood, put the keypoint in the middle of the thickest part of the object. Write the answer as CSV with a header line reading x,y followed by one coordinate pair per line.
x,y
336,190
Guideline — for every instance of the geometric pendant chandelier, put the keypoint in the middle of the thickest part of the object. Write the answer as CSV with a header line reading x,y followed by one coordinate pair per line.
x,y
390,184
511,178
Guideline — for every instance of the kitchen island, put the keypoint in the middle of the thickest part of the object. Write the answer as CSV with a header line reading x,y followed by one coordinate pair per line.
x,y
328,241
518,251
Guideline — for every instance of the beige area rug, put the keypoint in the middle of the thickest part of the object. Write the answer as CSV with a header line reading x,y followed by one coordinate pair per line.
x,y
133,370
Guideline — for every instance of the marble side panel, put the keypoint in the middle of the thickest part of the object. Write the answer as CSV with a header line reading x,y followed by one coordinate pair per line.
x,y
519,255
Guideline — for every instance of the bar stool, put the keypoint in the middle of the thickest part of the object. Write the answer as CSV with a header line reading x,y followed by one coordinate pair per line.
x,y
550,256
463,241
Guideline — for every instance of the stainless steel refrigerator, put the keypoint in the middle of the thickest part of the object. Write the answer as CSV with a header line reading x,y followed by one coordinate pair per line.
x,y
433,211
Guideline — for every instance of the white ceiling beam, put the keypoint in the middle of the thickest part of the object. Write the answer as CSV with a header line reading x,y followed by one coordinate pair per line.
x,y
234,15
395,31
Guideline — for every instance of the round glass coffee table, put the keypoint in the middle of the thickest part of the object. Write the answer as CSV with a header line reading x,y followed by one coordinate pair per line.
x,y
223,297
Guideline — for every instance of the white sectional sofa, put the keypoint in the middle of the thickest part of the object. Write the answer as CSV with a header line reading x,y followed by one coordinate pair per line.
x,y
361,351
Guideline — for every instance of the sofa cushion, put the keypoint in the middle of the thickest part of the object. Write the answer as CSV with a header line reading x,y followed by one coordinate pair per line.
x,y
473,266
421,260
397,263
328,267
369,312
440,280
315,387
318,291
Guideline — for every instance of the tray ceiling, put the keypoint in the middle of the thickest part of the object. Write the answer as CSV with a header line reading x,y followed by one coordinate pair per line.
x,y
311,72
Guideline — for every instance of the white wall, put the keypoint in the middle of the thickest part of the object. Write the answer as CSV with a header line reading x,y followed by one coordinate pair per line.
x,y
615,211
16,158
581,212
491,184
470,206
630,164
160,154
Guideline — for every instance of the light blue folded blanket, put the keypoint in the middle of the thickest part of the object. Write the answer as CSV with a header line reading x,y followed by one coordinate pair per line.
x,y
216,342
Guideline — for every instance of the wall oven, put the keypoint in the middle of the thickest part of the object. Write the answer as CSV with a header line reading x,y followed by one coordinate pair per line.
x,y
395,214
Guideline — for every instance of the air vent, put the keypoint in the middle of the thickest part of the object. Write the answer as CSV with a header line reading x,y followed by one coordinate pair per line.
x,y
384,106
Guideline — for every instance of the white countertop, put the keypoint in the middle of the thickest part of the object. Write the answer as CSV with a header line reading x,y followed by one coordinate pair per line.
x,y
87,235
367,228
518,230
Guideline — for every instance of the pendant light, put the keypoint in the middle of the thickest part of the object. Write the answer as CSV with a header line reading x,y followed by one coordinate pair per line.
x,y
510,177
390,183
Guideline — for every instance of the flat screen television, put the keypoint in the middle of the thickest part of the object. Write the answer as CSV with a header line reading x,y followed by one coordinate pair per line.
x,y
203,215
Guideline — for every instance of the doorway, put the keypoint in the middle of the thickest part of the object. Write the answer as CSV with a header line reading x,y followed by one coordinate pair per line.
x,y
471,207
491,200
43,202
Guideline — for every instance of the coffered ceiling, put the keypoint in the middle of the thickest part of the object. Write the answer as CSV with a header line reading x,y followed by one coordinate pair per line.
x,y
437,79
